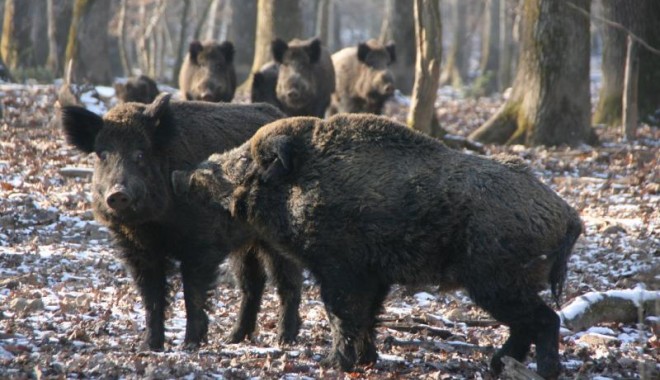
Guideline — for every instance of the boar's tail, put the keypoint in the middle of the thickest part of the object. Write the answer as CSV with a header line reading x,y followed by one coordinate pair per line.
x,y
558,271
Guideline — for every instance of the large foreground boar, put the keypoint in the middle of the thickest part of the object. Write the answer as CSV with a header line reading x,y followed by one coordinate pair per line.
x,y
306,77
364,79
365,203
138,146
208,72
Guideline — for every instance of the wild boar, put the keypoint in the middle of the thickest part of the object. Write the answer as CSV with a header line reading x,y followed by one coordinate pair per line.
x,y
306,77
208,72
364,79
140,89
264,82
365,203
137,147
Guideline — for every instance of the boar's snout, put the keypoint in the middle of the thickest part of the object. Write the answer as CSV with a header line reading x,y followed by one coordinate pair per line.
x,y
118,198
180,182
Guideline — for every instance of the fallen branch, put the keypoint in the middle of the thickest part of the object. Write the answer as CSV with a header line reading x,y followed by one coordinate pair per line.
x,y
434,346
611,306
74,172
421,328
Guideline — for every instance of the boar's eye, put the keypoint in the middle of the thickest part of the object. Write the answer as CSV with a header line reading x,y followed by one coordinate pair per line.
x,y
138,156
103,155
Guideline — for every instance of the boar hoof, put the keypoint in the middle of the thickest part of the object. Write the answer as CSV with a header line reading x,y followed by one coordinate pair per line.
x,y
235,337
338,361
156,345
191,346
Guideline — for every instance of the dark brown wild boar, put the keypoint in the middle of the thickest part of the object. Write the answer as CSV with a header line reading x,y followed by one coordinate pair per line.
x,y
138,146
364,79
208,72
264,82
140,89
365,203
306,77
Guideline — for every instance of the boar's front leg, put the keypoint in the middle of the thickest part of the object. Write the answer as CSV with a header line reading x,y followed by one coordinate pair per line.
x,y
251,279
352,303
149,273
199,275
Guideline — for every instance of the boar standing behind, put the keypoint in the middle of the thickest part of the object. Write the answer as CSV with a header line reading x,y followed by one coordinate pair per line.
x,y
364,203
138,146
306,77
208,72
364,80
264,82
140,89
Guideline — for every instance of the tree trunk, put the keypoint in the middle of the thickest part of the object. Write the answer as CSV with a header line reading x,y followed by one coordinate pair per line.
x,y
506,47
649,63
53,60
490,41
181,49
9,43
549,103
121,33
455,71
288,20
630,89
88,41
428,40
399,27
322,21
211,23
242,33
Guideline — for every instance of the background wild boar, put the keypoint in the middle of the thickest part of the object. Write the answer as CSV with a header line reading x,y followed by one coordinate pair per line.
x,y
306,76
208,72
364,203
364,80
138,146
264,82
140,89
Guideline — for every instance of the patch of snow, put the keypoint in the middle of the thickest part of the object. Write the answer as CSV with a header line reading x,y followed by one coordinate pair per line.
x,y
601,331
391,358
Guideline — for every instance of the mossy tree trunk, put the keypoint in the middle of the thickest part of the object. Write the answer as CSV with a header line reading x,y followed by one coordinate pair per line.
x,y
549,102
428,40
399,27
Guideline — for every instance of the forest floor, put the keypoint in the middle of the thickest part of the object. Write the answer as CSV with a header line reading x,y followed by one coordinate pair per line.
x,y
69,310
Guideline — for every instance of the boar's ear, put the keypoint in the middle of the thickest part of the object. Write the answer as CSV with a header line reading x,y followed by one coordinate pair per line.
x,y
80,127
194,49
157,108
362,51
278,47
257,79
227,49
391,48
314,50
279,161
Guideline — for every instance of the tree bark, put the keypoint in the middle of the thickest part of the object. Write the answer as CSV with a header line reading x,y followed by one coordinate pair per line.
x,y
506,46
455,71
550,101
121,33
88,41
649,63
242,32
490,41
399,27
428,40
181,51
9,42
53,60
322,22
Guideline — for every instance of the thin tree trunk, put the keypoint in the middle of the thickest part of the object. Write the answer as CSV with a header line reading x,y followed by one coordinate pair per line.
x,y
322,14
53,61
211,20
180,52
649,62
428,39
9,43
121,32
242,32
265,34
490,40
506,47
455,71
630,89
550,101
399,27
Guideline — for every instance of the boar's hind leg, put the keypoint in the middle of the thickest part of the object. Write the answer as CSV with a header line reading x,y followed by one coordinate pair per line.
x,y
251,279
530,320
352,305
198,277
287,276
149,274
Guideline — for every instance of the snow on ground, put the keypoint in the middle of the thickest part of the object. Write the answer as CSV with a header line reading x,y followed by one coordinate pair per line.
x,y
68,308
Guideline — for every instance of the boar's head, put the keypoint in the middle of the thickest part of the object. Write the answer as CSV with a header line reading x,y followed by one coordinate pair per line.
x,y
375,81
297,82
212,75
130,184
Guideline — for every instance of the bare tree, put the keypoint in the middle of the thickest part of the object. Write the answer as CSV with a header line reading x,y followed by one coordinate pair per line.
x,y
428,40
549,103
399,27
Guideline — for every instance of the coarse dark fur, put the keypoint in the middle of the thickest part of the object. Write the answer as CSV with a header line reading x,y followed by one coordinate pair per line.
x,y
208,73
306,77
364,80
140,89
264,82
138,146
365,202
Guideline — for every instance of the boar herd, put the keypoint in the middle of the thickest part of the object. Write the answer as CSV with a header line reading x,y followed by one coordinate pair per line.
x,y
360,201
